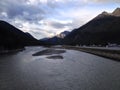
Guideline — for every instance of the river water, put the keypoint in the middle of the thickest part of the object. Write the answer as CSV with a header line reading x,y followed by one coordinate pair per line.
x,y
77,71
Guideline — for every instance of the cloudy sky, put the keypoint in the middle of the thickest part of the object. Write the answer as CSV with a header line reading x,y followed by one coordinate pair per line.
x,y
45,18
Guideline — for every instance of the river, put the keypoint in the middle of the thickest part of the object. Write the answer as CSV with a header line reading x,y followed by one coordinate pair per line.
x,y
77,71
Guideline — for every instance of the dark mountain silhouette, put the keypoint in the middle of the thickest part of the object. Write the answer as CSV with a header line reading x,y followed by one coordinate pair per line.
x,y
28,34
103,29
52,41
12,38
56,39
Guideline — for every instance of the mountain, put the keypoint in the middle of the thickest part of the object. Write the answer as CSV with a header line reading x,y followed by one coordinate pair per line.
x,y
103,29
29,35
56,39
116,12
12,38
102,15
52,41
63,34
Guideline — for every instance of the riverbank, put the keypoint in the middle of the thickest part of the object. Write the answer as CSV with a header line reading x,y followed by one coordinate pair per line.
x,y
107,53
3,52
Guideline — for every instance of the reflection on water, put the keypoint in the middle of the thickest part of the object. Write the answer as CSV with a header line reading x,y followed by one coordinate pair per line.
x,y
77,71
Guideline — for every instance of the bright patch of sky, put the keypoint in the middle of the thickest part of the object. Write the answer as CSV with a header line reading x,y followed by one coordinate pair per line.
x,y
45,18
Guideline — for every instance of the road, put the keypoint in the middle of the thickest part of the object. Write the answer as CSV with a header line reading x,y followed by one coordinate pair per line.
x,y
77,71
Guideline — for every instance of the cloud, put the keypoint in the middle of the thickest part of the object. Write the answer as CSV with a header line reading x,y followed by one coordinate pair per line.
x,y
108,1
101,1
44,18
23,10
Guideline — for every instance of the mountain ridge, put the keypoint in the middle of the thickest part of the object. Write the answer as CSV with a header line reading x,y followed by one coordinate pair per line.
x,y
100,30
12,38
116,12
56,39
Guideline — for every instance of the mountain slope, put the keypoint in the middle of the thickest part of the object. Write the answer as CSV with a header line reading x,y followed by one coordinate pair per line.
x,y
116,12
56,39
103,29
11,37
